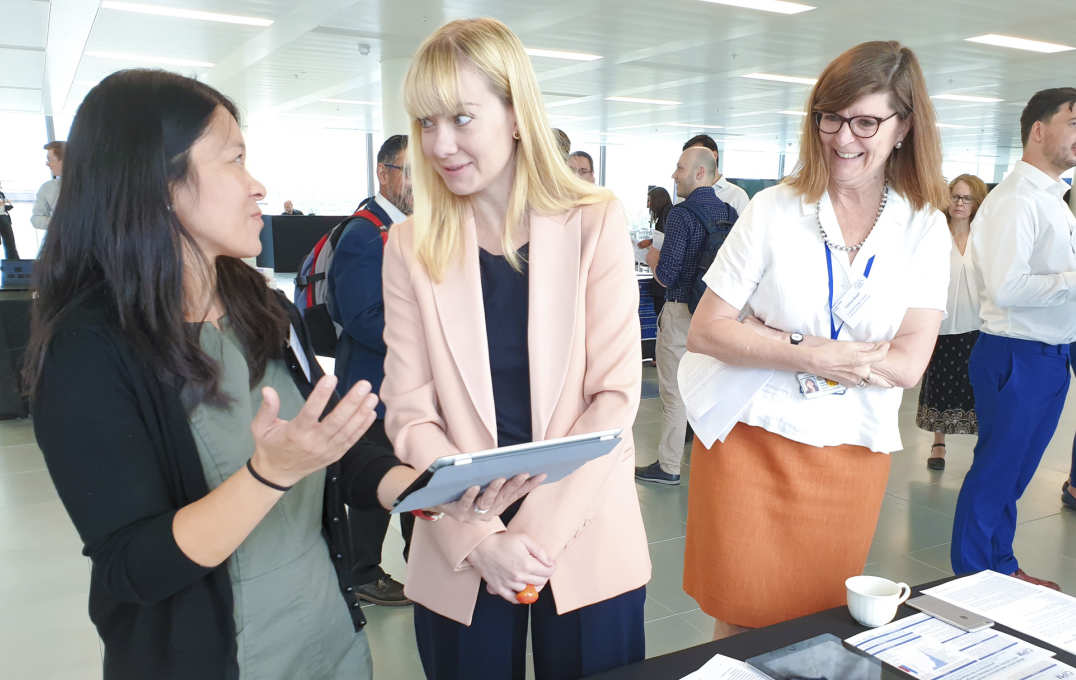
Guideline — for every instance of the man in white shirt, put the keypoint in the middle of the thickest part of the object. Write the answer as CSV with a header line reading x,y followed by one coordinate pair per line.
x,y
1025,258
725,190
49,192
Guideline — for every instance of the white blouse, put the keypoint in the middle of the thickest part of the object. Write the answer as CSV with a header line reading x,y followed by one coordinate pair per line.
x,y
963,305
775,261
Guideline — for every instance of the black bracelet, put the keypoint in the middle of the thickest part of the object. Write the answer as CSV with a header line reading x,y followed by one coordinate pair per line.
x,y
263,480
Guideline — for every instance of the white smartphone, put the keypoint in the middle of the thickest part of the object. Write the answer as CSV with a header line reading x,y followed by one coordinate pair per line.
x,y
950,613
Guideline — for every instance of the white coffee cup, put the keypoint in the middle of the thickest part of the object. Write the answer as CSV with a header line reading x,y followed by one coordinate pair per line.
x,y
873,600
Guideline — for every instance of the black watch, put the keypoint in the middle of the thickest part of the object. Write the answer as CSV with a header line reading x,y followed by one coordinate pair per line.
x,y
796,338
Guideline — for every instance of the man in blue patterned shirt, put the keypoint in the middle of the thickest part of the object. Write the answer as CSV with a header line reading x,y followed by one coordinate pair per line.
x,y
674,267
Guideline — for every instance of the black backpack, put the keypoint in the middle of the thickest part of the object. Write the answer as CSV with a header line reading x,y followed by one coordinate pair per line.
x,y
717,230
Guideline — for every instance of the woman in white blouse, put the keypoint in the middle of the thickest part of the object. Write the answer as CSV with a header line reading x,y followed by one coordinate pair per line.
x,y
844,267
946,402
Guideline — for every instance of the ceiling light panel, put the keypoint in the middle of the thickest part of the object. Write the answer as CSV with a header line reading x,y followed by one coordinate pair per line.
x,y
775,6
790,112
1016,43
179,13
357,102
967,98
697,126
149,59
778,78
560,54
640,100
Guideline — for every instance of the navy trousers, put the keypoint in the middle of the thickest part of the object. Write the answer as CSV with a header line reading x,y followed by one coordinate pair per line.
x,y
590,640
1020,388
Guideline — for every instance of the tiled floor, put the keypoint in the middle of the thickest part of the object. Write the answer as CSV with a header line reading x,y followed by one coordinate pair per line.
x,y
46,635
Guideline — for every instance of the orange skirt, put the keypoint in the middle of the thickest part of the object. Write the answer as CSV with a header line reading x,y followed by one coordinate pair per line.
x,y
774,527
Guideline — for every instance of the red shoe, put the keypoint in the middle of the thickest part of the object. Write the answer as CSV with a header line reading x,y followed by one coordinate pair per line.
x,y
1024,576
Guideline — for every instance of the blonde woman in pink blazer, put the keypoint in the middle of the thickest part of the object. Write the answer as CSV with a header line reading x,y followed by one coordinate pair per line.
x,y
510,315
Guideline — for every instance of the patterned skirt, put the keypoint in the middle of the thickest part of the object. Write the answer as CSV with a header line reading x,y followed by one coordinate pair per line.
x,y
946,402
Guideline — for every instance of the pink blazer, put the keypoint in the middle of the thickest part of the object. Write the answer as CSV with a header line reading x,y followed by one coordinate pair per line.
x,y
585,371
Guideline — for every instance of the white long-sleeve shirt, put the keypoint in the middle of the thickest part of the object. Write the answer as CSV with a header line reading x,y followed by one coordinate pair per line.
x,y
1025,258
45,203
731,194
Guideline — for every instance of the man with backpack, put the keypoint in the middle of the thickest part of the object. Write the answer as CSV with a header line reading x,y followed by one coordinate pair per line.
x,y
694,230
356,306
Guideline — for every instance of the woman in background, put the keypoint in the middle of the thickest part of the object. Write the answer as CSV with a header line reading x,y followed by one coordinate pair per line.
x,y
946,402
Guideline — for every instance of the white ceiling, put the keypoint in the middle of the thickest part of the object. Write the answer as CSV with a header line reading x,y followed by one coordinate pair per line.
x,y
685,50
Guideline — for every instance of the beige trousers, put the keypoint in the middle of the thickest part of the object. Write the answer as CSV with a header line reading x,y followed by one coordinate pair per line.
x,y
671,345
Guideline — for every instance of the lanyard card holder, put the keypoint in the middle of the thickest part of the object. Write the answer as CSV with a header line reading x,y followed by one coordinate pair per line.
x,y
813,386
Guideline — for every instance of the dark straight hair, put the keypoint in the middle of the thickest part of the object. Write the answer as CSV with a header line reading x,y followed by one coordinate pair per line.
x,y
1043,106
113,231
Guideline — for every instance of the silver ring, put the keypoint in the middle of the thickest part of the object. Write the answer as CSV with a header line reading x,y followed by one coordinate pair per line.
x,y
480,511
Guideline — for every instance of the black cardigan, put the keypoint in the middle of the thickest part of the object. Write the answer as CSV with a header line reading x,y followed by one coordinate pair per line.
x,y
119,448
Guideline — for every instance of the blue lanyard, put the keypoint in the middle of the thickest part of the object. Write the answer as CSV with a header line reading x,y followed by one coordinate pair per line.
x,y
834,331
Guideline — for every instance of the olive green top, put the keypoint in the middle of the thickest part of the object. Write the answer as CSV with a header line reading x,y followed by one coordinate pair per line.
x,y
290,619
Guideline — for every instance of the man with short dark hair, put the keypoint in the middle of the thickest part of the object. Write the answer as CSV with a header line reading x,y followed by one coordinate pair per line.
x,y
1024,250
357,305
582,164
725,190
674,267
49,192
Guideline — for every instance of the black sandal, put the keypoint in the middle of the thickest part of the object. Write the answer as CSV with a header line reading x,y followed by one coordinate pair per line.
x,y
936,462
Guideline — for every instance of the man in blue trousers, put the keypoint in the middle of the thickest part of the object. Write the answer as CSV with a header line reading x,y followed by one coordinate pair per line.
x,y
1024,248
1067,497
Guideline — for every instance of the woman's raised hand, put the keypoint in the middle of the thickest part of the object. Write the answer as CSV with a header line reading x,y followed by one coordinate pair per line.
x,y
285,451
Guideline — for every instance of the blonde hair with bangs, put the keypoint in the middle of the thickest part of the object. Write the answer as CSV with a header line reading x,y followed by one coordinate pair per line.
x,y
914,170
543,181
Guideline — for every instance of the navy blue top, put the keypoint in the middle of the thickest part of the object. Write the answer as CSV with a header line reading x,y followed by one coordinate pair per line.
x,y
684,238
504,297
355,289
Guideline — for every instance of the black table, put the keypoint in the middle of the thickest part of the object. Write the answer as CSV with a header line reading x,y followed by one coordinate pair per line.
x,y
14,335
752,643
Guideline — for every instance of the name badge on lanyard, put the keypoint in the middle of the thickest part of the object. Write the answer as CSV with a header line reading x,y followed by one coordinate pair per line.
x,y
852,305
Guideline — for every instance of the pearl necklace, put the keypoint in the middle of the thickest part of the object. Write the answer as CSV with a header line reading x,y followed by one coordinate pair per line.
x,y
850,249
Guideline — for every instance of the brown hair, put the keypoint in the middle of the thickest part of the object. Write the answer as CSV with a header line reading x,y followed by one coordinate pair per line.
x,y
978,193
914,170
57,149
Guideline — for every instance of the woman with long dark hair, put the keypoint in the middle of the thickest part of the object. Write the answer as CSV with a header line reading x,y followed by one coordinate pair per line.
x,y
659,204
201,454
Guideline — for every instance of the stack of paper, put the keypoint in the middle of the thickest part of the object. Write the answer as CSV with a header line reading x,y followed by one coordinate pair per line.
x,y
927,648
716,393
1033,610
724,668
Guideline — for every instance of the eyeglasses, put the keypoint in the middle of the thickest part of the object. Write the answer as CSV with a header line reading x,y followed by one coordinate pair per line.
x,y
957,198
406,171
863,127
